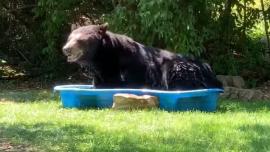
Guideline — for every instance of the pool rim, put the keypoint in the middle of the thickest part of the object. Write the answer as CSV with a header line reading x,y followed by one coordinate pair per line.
x,y
76,88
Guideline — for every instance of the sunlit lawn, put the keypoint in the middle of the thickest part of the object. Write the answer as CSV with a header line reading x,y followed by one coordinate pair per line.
x,y
35,121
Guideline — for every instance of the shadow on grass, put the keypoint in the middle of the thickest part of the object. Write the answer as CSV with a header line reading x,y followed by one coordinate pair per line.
x,y
258,137
237,106
50,137
70,137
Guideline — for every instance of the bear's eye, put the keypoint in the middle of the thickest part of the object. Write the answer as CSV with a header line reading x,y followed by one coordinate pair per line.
x,y
80,41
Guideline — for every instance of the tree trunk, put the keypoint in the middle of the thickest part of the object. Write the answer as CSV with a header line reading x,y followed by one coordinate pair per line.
x,y
265,26
227,22
245,19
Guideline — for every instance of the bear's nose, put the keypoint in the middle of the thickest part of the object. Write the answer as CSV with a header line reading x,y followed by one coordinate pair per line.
x,y
66,50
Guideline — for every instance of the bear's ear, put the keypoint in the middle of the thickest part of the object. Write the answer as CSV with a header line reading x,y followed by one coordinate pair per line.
x,y
74,26
103,28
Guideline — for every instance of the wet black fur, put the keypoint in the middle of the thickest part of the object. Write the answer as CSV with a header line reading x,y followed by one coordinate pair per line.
x,y
120,62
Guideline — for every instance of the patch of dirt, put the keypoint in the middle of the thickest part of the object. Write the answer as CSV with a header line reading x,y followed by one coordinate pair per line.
x,y
15,78
39,83
265,87
7,146
8,71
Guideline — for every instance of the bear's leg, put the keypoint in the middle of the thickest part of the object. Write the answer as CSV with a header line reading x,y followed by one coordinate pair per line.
x,y
164,70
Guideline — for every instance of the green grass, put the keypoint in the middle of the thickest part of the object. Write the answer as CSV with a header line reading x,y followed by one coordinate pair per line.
x,y
35,121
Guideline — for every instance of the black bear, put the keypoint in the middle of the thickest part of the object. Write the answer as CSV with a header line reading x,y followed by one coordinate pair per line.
x,y
120,62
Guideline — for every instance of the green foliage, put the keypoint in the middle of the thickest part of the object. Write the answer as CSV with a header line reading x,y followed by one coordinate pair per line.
x,y
176,25
55,15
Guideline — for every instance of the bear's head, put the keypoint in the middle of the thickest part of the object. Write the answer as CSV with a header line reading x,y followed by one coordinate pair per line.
x,y
83,43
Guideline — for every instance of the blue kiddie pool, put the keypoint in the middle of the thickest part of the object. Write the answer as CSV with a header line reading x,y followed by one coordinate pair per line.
x,y
86,96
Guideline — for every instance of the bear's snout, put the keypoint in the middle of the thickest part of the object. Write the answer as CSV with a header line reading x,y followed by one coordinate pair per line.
x,y
68,47
72,51
66,51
